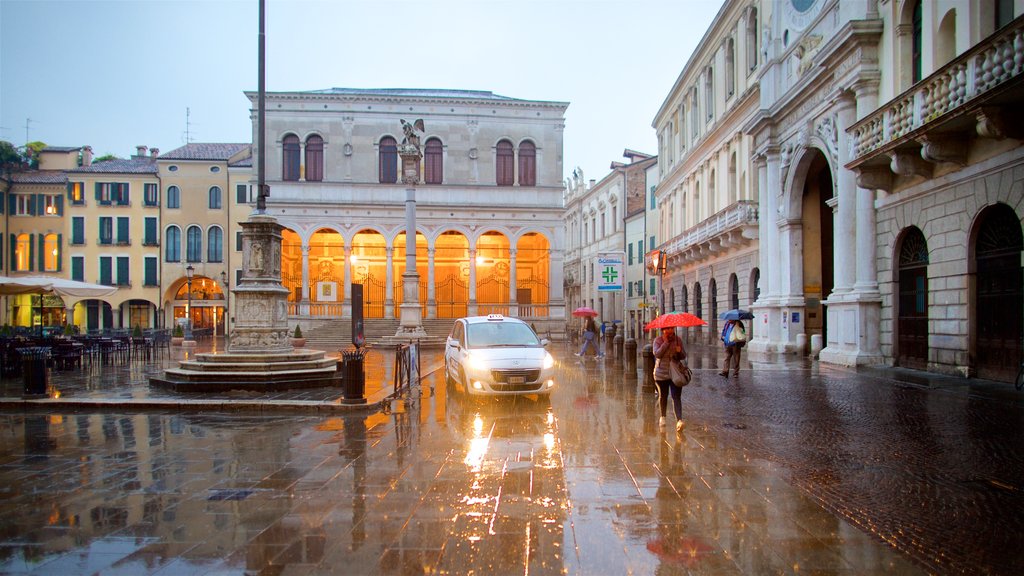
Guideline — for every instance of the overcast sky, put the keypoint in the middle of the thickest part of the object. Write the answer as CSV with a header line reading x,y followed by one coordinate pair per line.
x,y
117,74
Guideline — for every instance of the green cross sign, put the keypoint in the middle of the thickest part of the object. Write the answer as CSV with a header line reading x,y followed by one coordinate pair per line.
x,y
610,274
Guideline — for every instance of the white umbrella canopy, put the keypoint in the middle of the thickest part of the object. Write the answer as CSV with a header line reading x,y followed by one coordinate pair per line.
x,y
59,286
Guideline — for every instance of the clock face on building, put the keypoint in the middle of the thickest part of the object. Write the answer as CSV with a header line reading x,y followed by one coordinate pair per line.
x,y
800,13
802,5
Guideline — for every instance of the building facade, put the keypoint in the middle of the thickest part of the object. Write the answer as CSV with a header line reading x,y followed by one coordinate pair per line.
x,y
889,159
488,206
707,195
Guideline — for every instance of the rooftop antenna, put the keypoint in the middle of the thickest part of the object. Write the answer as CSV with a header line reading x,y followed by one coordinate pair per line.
x,y
27,121
188,125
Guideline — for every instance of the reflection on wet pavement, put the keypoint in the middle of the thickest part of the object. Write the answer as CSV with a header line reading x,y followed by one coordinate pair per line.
x,y
781,471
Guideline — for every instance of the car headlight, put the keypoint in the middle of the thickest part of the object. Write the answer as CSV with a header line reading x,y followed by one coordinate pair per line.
x,y
549,360
475,362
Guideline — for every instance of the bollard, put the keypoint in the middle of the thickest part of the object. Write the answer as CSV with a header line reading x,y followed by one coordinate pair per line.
x,y
617,347
648,365
353,378
629,357
609,337
33,370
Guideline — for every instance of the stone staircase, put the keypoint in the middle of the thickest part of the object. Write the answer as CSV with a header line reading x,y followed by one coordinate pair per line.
x,y
336,334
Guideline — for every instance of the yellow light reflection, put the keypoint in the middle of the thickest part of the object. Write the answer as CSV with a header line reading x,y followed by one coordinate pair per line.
x,y
549,441
478,425
477,451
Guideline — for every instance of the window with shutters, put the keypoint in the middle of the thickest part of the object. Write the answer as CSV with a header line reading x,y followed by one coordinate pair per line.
x,y
149,272
504,163
78,268
433,161
78,230
173,197
194,241
51,253
215,200
149,232
23,205
314,158
238,241
52,205
172,247
76,193
527,164
23,253
388,160
151,194
106,271
290,158
123,231
123,271
106,230
215,244
241,193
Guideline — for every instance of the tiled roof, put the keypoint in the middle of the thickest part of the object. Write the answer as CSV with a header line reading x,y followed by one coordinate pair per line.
x,y
62,149
144,165
40,177
204,151
243,163
415,93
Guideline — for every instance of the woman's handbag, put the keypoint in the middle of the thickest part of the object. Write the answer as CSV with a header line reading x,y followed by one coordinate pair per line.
x,y
737,335
680,373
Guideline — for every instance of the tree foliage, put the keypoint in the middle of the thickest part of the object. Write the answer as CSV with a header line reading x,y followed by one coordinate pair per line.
x,y
105,158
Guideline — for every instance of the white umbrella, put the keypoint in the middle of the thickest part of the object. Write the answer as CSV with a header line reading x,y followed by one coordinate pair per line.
x,y
48,284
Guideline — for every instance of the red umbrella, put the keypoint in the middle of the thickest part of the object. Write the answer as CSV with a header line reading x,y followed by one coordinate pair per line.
x,y
675,320
585,312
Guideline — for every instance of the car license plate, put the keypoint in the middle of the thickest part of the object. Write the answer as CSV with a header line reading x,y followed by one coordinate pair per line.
x,y
516,379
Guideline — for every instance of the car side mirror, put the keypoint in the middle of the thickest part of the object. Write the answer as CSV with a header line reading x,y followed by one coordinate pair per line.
x,y
452,342
544,342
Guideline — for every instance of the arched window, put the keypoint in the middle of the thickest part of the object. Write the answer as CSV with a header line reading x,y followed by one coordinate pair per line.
x,y
945,41
388,159
734,291
672,299
755,284
215,244
51,253
215,198
314,159
23,252
433,162
713,297
698,306
917,40
172,246
709,92
527,164
684,297
194,241
504,163
173,197
290,158
752,39
730,67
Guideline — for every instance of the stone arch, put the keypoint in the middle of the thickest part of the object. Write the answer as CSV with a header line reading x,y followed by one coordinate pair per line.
x,y
492,271
532,272
451,272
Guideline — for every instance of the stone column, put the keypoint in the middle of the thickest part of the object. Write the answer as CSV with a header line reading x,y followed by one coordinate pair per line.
x,y
431,289
346,304
472,282
389,283
846,214
304,301
261,320
513,296
411,319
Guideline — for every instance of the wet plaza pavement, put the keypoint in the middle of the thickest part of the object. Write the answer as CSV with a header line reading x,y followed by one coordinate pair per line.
x,y
792,468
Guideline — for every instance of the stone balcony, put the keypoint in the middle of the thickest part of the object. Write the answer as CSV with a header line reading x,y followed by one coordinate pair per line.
x,y
976,95
728,229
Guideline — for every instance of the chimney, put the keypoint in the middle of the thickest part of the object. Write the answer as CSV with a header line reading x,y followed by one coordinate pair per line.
x,y
86,155
154,152
592,182
140,151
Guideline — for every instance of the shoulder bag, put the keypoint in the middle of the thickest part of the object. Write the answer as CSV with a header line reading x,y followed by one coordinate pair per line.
x,y
680,373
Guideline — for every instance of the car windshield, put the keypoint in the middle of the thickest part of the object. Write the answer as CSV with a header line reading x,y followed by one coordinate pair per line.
x,y
492,334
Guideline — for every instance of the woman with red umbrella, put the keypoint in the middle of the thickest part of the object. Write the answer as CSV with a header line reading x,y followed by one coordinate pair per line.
x,y
590,338
668,348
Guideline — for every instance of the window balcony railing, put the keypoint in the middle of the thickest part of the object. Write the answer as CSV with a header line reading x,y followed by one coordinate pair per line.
x,y
944,95
734,225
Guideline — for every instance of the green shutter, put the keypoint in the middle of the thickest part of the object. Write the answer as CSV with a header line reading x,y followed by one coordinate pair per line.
x,y
1,251
3,202
60,205
98,187
13,246
31,251
60,251
12,203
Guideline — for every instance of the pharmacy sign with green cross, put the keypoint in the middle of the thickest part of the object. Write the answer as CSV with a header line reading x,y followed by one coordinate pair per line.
x,y
609,272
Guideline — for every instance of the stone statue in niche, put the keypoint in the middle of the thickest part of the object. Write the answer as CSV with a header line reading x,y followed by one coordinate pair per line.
x,y
256,257
411,137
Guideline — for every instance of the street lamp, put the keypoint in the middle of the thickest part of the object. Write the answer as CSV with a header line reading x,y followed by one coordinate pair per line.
x,y
189,271
227,301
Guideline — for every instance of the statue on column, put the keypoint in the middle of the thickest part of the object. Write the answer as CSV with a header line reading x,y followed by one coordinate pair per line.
x,y
411,137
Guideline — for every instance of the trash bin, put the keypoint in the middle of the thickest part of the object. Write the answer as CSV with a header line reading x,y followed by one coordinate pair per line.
x,y
33,369
353,378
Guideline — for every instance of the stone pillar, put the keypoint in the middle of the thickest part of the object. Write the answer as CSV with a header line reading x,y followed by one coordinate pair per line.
x,y
431,291
846,213
346,304
389,283
471,309
261,320
513,297
411,320
303,303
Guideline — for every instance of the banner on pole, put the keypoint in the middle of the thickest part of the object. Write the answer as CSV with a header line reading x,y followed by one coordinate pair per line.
x,y
609,271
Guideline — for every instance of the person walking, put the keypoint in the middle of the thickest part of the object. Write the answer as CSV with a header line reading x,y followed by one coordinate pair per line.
x,y
589,338
734,336
668,348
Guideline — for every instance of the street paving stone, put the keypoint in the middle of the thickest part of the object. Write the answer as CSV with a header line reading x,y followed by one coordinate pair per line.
x,y
792,468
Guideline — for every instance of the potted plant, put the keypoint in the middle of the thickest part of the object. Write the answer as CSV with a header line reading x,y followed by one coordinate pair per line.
x,y
69,329
137,332
297,340
177,335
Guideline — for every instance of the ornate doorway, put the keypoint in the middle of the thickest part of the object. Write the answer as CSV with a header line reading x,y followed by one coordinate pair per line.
x,y
999,311
912,303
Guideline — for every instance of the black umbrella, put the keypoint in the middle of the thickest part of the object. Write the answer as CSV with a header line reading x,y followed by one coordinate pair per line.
x,y
736,314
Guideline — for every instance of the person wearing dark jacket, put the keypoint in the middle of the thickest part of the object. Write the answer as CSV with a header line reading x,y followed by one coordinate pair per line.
x,y
668,348
733,346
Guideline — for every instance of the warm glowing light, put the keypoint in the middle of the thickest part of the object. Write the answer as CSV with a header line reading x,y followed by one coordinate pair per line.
x,y
478,425
54,252
549,441
353,259
551,418
480,260
477,450
51,209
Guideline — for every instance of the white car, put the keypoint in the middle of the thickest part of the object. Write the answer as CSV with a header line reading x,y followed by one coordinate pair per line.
x,y
495,355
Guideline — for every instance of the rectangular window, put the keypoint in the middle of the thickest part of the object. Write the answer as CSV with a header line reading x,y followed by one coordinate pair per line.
x,y
150,271
640,250
653,199
652,287
23,205
242,194
123,278
52,205
149,234
76,193
106,275
106,230
121,194
151,194
123,237
238,241
104,193
630,256
651,243
78,230
78,268
630,289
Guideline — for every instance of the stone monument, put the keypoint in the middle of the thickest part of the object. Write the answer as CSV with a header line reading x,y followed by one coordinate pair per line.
x,y
410,326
